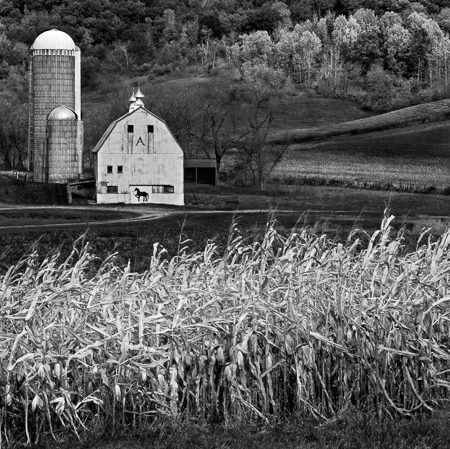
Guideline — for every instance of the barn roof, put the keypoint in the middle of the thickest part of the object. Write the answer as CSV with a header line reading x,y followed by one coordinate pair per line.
x,y
111,127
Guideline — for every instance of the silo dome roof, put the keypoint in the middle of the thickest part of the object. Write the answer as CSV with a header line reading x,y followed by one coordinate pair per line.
x,y
62,113
53,40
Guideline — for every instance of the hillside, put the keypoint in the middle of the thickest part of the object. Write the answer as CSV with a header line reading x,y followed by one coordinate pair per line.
x,y
413,159
407,117
430,140
298,116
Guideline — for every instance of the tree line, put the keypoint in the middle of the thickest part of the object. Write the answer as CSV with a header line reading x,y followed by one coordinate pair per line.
x,y
384,62
131,34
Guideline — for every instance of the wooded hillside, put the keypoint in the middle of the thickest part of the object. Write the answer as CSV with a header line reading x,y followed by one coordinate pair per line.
x,y
382,54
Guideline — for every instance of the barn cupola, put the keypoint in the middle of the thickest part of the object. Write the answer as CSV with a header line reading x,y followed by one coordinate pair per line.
x,y
136,100
139,96
132,101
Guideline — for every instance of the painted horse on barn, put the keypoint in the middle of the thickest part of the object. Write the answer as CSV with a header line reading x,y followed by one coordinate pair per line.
x,y
140,194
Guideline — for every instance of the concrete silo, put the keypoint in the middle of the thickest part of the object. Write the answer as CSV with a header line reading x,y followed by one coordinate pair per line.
x,y
55,81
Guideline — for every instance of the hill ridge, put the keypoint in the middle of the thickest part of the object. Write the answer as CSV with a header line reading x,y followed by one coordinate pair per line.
x,y
432,112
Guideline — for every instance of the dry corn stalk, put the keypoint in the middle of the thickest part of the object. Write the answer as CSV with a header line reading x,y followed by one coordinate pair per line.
x,y
289,324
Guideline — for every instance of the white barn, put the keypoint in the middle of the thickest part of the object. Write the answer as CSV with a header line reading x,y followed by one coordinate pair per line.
x,y
138,154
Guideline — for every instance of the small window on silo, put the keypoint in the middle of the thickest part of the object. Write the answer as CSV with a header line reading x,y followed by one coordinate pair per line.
x,y
112,189
120,169
109,168
150,129
130,128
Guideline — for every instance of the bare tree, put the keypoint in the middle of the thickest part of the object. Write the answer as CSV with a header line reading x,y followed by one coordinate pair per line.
x,y
258,156
200,119
219,118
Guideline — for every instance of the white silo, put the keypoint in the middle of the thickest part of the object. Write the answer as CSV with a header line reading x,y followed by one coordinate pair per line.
x,y
54,81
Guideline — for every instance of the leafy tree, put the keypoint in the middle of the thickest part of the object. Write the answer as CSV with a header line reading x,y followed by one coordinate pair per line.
x,y
443,19
322,7
262,78
256,47
345,34
265,18
389,19
211,20
140,44
283,13
310,46
366,49
382,89
347,7
300,11
425,34
170,31
397,43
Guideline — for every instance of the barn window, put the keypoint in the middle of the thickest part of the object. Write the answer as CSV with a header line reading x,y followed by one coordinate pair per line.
x,y
150,138
162,189
120,169
112,189
109,168
130,128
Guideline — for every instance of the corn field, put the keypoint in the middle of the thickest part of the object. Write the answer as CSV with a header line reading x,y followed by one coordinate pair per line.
x,y
297,324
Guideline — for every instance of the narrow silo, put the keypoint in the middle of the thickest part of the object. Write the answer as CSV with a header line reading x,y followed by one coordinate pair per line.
x,y
54,81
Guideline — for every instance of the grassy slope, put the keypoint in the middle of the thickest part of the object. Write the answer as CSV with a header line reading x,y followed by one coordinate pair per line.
x,y
417,155
300,118
432,140
290,112
423,113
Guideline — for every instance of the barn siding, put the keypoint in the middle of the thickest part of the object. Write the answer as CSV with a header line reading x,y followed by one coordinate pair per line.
x,y
146,160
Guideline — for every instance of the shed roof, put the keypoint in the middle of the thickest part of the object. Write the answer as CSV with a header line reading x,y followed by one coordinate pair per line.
x,y
199,162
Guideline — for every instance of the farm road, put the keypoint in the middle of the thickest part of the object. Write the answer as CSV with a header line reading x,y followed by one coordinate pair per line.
x,y
21,218
140,216
45,220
